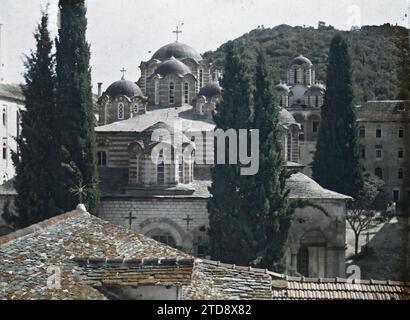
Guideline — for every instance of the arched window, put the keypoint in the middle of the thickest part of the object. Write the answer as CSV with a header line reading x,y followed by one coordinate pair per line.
x,y
156,92
400,153
5,178
4,151
135,108
315,126
171,93
161,169
378,172
295,76
378,133
181,170
400,173
120,111
401,132
396,195
102,158
362,132
201,78
317,101
186,92
289,146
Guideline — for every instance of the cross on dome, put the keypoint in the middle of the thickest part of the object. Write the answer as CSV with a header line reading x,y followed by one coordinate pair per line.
x,y
123,73
177,32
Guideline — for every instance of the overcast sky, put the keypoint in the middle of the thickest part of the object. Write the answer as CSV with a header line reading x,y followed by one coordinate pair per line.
x,y
122,32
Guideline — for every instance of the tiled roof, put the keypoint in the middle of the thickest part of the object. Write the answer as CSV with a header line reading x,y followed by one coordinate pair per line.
x,y
11,91
93,253
384,111
303,187
26,255
171,116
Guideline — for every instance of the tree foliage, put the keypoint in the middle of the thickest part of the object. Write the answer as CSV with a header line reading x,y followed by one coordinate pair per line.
x,y
75,122
336,163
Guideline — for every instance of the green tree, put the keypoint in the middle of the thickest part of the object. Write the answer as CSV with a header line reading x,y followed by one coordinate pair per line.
x,y
401,38
230,225
336,163
35,158
368,210
268,203
75,123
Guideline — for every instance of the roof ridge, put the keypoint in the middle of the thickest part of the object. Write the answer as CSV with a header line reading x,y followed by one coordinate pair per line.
x,y
39,226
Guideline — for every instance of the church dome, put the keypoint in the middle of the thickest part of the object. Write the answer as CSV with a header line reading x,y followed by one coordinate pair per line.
x,y
301,61
210,90
124,87
177,50
282,88
172,66
285,117
316,89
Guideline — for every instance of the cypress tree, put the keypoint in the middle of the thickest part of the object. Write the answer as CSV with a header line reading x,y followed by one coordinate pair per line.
x,y
35,156
267,198
75,124
336,163
230,224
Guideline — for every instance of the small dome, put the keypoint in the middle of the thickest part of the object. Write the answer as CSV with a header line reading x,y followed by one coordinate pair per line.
x,y
210,90
316,89
172,66
285,117
177,50
301,60
124,87
282,88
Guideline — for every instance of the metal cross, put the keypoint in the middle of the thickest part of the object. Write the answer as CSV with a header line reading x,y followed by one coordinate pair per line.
x,y
80,191
130,218
123,73
188,219
177,32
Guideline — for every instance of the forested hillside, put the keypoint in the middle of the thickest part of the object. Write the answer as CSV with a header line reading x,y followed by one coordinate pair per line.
x,y
372,48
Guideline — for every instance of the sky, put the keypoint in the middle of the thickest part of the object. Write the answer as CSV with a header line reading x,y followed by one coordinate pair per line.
x,y
122,33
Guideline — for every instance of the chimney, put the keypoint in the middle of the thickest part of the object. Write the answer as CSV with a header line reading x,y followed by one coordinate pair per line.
x,y
100,89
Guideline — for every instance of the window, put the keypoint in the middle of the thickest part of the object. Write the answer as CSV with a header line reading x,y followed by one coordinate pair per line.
x,y
400,173
378,133
201,78
401,132
295,76
317,101
163,237
315,126
186,92
121,111
156,92
171,93
396,195
161,169
378,172
4,117
4,151
181,170
363,152
362,132
101,158
378,152
135,108
289,146
400,153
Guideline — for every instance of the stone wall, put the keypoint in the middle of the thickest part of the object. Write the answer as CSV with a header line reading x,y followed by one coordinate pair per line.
x,y
166,214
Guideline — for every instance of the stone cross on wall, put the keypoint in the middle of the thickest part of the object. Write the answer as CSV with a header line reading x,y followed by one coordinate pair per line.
x,y
130,217
188,219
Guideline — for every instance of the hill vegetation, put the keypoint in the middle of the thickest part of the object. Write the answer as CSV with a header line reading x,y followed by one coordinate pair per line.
x,y
375,58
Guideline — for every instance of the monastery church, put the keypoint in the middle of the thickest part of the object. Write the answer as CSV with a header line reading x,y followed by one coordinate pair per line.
x,y
166,199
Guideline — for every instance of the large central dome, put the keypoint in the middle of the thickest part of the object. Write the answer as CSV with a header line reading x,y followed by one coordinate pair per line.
x,y
177,50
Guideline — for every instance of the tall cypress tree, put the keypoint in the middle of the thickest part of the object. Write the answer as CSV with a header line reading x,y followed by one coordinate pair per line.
x,y
34,180
75,124
230,224
267,197
336,163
